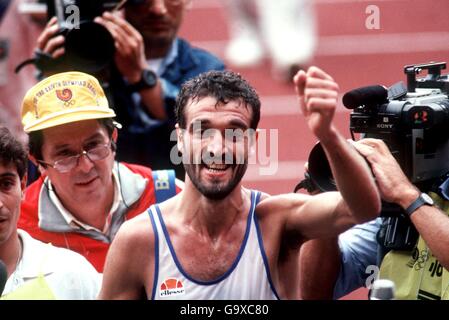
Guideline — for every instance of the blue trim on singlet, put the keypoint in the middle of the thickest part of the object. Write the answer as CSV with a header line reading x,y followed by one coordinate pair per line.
x,y
156,255
236,261
262,251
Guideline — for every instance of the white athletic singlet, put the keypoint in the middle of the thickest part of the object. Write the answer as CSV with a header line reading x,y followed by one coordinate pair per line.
x,y
248,278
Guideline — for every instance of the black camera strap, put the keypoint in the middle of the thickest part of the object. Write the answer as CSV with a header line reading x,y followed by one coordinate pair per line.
x,y
306,184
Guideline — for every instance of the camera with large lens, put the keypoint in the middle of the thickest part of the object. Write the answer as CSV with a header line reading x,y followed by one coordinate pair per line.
x,y
412,120
89,47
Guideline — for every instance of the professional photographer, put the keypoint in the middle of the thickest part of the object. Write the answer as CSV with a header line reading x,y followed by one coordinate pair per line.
x,y
418,266
149,66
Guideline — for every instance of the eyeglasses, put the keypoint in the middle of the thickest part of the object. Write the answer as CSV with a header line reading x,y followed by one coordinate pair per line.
x,y
97,153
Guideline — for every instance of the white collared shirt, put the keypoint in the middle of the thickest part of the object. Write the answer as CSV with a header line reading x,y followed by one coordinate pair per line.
x,y
68,274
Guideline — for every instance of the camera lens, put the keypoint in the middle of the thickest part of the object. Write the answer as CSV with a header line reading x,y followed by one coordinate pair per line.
x,y
89,48
320,171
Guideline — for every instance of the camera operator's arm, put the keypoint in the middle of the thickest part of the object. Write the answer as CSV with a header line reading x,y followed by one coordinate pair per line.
x,y
131,61
48,42
318,93
431,223
349,260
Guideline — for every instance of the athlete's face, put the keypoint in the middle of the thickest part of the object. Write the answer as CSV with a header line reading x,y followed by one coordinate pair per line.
x,y
215,145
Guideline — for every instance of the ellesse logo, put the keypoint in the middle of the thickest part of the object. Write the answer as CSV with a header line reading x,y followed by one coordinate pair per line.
x,y
171,287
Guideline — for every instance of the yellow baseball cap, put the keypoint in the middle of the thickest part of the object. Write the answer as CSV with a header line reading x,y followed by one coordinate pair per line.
x,y
63,98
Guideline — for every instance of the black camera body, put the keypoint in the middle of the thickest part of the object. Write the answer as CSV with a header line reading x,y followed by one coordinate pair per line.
x,y
89,47
413,122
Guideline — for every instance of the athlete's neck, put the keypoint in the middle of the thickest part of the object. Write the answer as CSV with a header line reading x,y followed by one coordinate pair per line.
x,y
215,217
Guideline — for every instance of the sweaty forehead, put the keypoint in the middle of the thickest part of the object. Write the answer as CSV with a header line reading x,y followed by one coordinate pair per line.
x,y
207,108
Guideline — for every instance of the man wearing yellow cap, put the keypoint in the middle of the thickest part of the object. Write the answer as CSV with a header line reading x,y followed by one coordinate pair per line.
x,y
151,62
83,196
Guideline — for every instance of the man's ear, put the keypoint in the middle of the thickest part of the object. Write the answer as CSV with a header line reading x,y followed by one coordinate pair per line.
x,y
33,159
114,140
23,183
39,167
179,135
254,136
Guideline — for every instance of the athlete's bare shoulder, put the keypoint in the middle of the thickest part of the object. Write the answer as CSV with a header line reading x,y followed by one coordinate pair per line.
x,y
137,231
276,204
171,205
128,269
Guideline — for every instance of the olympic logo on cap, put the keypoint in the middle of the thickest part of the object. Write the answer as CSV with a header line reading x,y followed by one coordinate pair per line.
x,y
69,103
64,95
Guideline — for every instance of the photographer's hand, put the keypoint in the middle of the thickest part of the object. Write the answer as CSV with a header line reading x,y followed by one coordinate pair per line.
x,y
130,51
130,60
393,184
48,42
317,93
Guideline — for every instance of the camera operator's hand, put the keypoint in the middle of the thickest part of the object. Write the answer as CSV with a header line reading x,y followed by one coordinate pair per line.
x,y
393,184
431,223
318,93
130,50
48,42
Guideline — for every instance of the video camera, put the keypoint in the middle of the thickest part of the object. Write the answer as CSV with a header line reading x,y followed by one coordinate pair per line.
x,y
89,47
412,120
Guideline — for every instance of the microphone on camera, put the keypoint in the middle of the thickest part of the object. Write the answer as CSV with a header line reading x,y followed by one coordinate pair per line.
x,y
382,289
371,95
3,276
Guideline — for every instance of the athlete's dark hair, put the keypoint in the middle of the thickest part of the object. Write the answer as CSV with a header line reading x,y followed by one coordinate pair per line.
x,y
224,86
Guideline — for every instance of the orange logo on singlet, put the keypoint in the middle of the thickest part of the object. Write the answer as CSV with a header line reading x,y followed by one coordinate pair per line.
x,y
171,287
